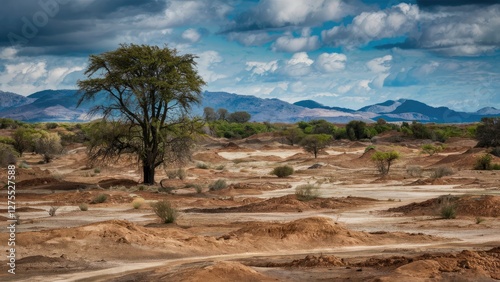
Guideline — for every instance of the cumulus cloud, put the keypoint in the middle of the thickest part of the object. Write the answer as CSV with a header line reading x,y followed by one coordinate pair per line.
x,y
288,43
330,62
261,68
411,76
207,62
191,35
298,65
284,13
378,65
368,26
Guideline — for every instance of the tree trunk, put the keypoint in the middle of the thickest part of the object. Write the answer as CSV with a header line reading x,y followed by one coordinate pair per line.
x,y
149,174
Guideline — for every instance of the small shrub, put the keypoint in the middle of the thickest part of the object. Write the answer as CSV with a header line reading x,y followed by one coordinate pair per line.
x,y
431,149
181,173
307,192
171,174
448,211
101,198
220,167
282,171
97,170
415,171
495,166
165,211
166,189
52,210
479,220
442,171
137,203
202,165
141,188
371,147
198,188
218,185
483,162
83,207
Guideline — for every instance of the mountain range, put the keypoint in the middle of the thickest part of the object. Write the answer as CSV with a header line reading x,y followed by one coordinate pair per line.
x,y
60,105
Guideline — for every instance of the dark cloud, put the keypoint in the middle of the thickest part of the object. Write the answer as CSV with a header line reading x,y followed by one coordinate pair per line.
x,y
69,27
429,3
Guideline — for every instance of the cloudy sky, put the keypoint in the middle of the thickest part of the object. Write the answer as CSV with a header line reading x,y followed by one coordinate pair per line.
x,y
347,53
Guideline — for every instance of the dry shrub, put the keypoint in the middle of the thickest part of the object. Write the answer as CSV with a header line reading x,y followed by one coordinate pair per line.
x,y
165,211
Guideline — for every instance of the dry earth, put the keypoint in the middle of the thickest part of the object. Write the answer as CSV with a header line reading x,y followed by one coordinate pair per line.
x,y
362,228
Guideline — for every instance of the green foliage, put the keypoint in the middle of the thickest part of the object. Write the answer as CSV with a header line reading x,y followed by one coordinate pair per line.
x,y
483,162
232,130
431,149
151,97
449,211
101,198
209,114
315,143
239,117
371,147
7,123
83,207
495,151
357,130
51,125
48,145
165,211
384,160
202,165
441,171
220,167
6,140
488,132
7,155
282,171
24,138
293,135
307,192
218,185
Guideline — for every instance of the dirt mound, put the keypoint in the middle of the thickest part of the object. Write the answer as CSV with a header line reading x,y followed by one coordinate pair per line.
x,y
466,160
106,183
50,183
209,157
44,264
219,271
467,205
311,261
37,181
289,203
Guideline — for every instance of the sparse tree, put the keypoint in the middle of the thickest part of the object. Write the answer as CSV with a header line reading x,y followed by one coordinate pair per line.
x,y
151,91
293,135
356,130
222,114
23,139
431,149
48,145
384,160
209,114
315,143
7,155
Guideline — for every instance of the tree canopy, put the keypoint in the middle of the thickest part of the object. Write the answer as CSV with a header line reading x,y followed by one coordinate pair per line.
x,y
150,92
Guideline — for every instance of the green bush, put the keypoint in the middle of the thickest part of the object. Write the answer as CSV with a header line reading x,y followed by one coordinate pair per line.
x,y
483,162
7,155
165,211
6,140
448,211
384,160
137,203
101,198
431,149
181,173
218,185
307,192
83,207
202,165
171,174
282,171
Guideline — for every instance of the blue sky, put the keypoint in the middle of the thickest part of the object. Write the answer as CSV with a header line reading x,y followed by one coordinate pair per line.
x,y
347,53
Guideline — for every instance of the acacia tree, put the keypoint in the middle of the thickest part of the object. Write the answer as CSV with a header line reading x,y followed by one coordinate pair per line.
x,y
315,143
150,92
384,160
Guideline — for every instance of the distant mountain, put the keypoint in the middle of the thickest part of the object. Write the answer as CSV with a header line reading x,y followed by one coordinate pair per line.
x,y
11,100
310,104
60,105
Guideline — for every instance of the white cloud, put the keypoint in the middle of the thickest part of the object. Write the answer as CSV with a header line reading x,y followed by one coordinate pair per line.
x,y
330,62
250,38
368,26
298,65
206,64
290,44
261,68
191,35
379,65
8,53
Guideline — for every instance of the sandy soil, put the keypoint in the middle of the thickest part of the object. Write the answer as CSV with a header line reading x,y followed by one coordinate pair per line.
x,y
363,227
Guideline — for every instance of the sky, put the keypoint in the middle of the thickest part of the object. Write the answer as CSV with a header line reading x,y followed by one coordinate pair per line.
x,y
346,53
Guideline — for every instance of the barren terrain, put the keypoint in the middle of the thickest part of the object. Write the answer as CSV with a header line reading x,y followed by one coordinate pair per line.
x,y
363,227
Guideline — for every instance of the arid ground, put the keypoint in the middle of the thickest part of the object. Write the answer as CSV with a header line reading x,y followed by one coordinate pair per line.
x,y
363,227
